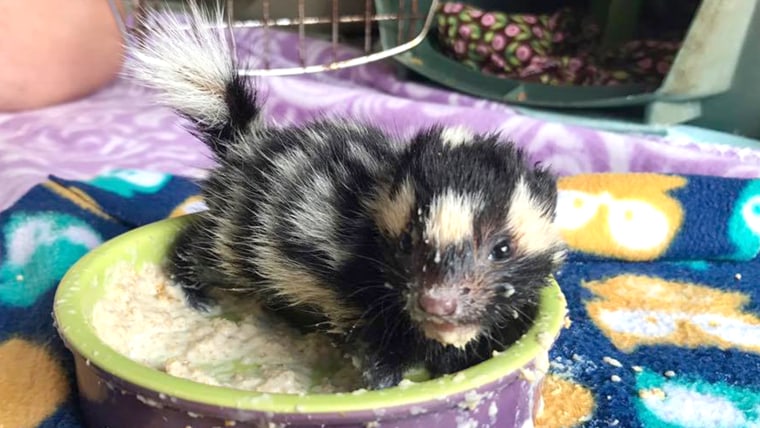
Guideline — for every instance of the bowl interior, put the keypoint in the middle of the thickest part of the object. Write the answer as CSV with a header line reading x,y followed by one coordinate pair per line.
x,y
85,282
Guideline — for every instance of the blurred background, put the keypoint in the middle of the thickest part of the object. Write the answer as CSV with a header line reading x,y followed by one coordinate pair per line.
x,y
624,65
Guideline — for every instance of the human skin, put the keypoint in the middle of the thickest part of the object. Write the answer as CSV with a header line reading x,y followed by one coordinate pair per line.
x,y
53,52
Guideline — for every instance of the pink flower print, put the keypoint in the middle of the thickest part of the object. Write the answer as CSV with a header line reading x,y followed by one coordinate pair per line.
x,y
645,63
538,32
498,61
498,42
488,20
460,47
476,13
512,30
540,62
482,49
523,53
529,19
554,20
465,31
574,64
663,67
452,7
531,70
558,37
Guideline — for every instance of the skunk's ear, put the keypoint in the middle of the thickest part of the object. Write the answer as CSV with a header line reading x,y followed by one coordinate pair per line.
x,y
543,184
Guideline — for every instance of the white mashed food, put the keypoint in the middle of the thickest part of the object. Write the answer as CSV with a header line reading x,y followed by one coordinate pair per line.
x,y
144,317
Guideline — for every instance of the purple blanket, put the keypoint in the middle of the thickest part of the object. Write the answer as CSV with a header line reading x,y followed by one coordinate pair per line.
x,y
121,127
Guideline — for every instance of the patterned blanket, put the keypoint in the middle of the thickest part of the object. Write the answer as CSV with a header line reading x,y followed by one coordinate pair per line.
x,y
661,286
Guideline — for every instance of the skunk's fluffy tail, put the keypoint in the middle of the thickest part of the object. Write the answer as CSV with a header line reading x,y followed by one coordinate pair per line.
x,y
193,67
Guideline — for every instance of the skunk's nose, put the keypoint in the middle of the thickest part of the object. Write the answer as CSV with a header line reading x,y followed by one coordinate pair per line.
x,y
437,305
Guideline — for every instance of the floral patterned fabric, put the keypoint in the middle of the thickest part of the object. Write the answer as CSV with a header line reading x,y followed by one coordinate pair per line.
x,y
556,49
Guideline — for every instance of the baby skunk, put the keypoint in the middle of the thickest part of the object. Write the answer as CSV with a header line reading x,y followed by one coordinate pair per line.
x,y
427,254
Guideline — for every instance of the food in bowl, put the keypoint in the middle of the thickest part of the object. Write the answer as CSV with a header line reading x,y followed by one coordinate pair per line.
x,y
115,391
143,316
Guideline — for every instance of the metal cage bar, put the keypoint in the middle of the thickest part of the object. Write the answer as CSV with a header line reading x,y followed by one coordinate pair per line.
x,y
301,21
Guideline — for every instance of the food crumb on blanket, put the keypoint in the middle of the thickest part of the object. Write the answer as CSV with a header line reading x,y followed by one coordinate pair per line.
x,y
143,316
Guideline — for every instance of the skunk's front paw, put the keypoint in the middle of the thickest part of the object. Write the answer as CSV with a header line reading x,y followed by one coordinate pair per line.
x,y
198,300
381,379
379,374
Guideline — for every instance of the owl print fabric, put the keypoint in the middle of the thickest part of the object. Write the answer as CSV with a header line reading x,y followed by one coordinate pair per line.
x,y
661,283
647,217
664,298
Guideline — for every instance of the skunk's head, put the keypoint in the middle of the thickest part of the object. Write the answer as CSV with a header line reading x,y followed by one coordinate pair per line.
x,y
470,235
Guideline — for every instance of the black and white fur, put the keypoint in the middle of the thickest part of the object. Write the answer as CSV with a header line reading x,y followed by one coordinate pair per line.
x,y
427,253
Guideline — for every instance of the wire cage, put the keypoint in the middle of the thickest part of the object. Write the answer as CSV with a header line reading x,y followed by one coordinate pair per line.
x,y
411,20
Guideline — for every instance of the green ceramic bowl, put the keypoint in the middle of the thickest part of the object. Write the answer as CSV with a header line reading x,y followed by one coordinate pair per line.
x,y
116,391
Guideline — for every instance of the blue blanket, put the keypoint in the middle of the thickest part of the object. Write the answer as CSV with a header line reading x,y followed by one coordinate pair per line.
x,y
661,285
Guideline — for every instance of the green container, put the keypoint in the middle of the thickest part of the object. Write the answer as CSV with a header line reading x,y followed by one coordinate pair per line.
x,y
711,82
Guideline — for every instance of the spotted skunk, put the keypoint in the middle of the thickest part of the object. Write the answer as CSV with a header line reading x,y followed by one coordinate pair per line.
x,y
429,252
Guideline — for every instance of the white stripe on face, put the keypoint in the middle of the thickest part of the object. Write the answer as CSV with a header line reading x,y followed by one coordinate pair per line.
x,y
451,218
534,232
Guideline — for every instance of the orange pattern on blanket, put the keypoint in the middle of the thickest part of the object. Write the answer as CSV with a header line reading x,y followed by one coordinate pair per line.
x,y
32,384
566,404
609,215
636,310
77,197
188,206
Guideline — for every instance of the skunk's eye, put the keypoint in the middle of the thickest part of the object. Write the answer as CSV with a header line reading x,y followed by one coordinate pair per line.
x,y
405,243
500,252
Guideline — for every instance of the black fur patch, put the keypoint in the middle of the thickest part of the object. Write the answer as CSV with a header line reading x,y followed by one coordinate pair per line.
x,y
243,109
